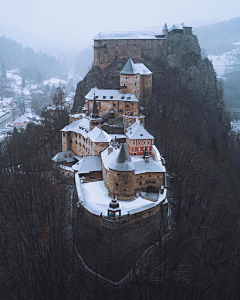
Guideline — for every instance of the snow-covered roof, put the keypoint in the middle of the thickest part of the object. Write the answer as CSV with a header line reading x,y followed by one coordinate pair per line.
x,y
150,167
126,35
176,27
98,135
21,119
94,197
132,68
110,95
136,131
81,126
123,161
186,25
67,156
88,164
107,159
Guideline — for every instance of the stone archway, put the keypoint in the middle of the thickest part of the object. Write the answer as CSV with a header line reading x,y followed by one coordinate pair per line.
x,y
151,189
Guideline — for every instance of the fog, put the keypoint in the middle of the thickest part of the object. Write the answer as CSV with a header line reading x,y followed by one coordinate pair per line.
x,y
73,24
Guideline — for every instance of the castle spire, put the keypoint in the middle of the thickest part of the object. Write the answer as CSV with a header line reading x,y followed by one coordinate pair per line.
x,y
94,112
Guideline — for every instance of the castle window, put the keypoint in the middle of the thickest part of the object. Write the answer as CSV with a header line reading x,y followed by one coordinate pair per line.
x,y
63,134
144,143
114,104
134,154
121,110
116,184
76,142
148,142
149,175
139,142
79,143
125,182
133,143
135,84
126,77
106,171
131,113
136,77
141,176
75,135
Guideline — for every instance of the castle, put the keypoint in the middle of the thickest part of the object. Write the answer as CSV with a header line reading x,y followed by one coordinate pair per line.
x,y
119,174
111,45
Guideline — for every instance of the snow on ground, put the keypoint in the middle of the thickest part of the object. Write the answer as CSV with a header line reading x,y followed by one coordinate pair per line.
x,y
235,126
226,61
54,81
94,197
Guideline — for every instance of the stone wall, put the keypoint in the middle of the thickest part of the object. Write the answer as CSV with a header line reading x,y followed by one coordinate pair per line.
x,y
121,184
154,181
120,107
106,51
132,84
145,89
112,248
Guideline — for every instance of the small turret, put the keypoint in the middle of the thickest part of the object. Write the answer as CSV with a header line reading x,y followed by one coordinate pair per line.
x,y
94,112
165,29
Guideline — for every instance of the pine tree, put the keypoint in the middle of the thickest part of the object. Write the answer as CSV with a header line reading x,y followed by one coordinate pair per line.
x,y
4,73
23,82
59,97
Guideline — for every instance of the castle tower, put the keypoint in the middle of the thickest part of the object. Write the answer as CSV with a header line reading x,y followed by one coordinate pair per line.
x,y
165,29
121,176
137,79
94,117
130,79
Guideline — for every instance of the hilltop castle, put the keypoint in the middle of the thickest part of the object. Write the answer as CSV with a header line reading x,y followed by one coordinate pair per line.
x,y
119,174
136,44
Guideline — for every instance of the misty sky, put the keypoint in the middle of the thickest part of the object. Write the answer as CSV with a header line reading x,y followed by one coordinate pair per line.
x,y
76,22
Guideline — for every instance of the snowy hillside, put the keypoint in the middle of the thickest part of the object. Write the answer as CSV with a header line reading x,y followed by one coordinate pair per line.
x,y
227,61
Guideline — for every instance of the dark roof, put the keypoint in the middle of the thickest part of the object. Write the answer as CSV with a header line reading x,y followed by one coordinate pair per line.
x,y
123,161
94,112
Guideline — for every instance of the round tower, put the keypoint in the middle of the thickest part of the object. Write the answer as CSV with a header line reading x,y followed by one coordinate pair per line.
x,y
121,176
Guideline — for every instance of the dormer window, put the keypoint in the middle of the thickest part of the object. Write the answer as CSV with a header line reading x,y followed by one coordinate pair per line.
x,y
96,97
128,98
111,97
141,134
122,96
104,97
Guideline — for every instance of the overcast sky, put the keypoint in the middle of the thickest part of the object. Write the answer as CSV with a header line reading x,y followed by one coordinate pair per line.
x,y
76,22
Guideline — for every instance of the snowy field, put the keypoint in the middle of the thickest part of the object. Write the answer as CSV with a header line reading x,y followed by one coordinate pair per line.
x,y
225,62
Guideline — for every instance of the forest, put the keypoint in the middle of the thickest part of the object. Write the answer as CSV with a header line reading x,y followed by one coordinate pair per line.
x,y
29,62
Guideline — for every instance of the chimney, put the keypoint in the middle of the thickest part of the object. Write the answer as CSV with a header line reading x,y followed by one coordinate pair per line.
x,y
146,158
110,150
